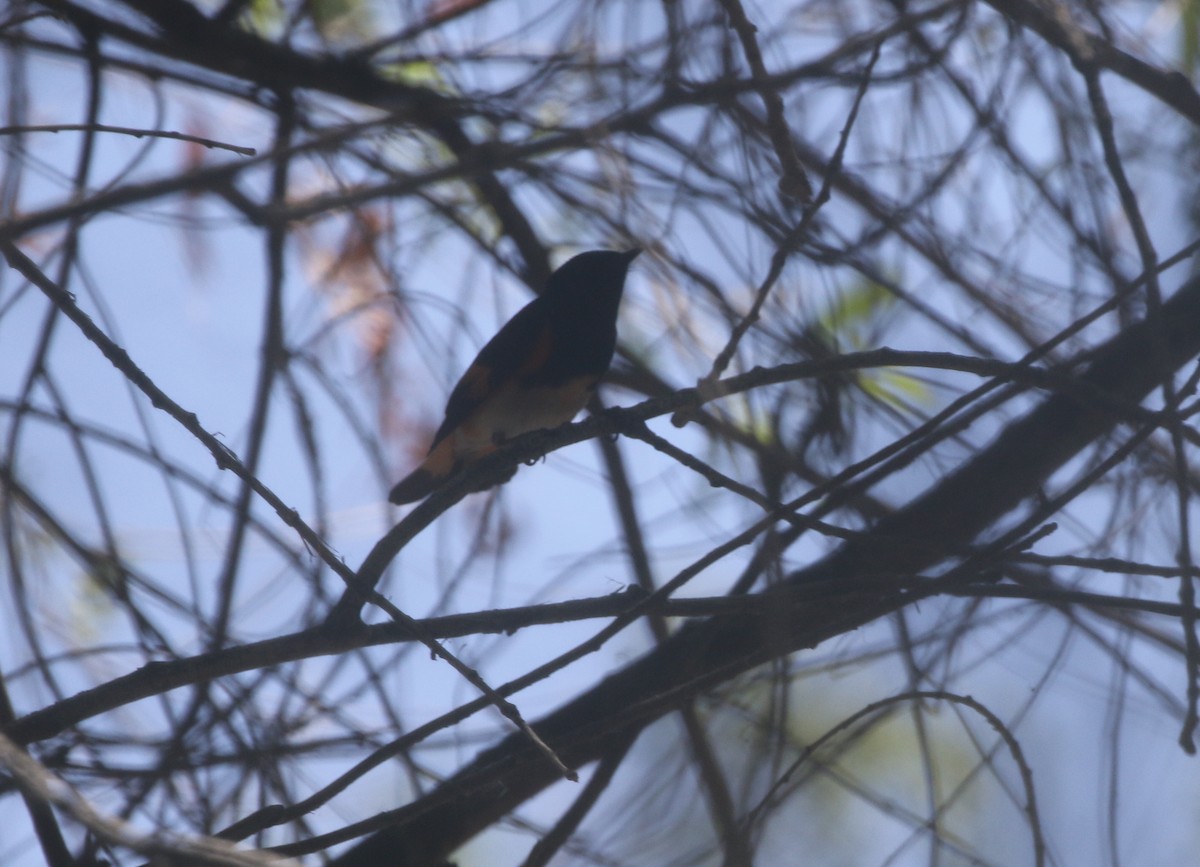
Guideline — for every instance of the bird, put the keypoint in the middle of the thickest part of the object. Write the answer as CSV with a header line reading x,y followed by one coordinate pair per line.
x,y
536,373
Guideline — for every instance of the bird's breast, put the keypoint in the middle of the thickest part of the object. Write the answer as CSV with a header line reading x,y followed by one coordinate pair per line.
x,y
519,407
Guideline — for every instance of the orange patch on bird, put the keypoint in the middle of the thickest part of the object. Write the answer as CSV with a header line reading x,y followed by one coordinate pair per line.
x,y
442,461
539,353
478,381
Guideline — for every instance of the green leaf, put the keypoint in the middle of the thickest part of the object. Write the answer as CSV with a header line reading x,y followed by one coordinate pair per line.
x,y
263,17
342,20
894,387
856,308
1189,28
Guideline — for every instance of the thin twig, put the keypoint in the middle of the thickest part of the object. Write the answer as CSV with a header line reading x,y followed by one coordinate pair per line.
x,y
1171,420
136,132
870,710
226,459
793,182
32,778
787,245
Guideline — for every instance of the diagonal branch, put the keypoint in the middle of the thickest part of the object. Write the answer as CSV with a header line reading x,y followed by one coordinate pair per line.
x,y
951,514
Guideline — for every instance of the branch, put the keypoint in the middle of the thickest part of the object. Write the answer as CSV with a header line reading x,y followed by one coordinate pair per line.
x,y
135,132
793,183
1169,86
38,783
705,654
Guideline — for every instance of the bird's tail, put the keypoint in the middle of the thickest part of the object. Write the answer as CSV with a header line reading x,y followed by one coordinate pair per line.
x,y
438,466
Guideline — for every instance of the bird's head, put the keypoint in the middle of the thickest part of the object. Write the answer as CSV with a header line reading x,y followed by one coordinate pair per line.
x,y
595,271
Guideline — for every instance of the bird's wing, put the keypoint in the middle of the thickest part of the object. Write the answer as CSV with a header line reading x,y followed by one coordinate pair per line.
x,y
524,343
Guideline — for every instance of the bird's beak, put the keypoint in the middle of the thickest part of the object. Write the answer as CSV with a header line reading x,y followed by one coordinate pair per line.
x,y
630,255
